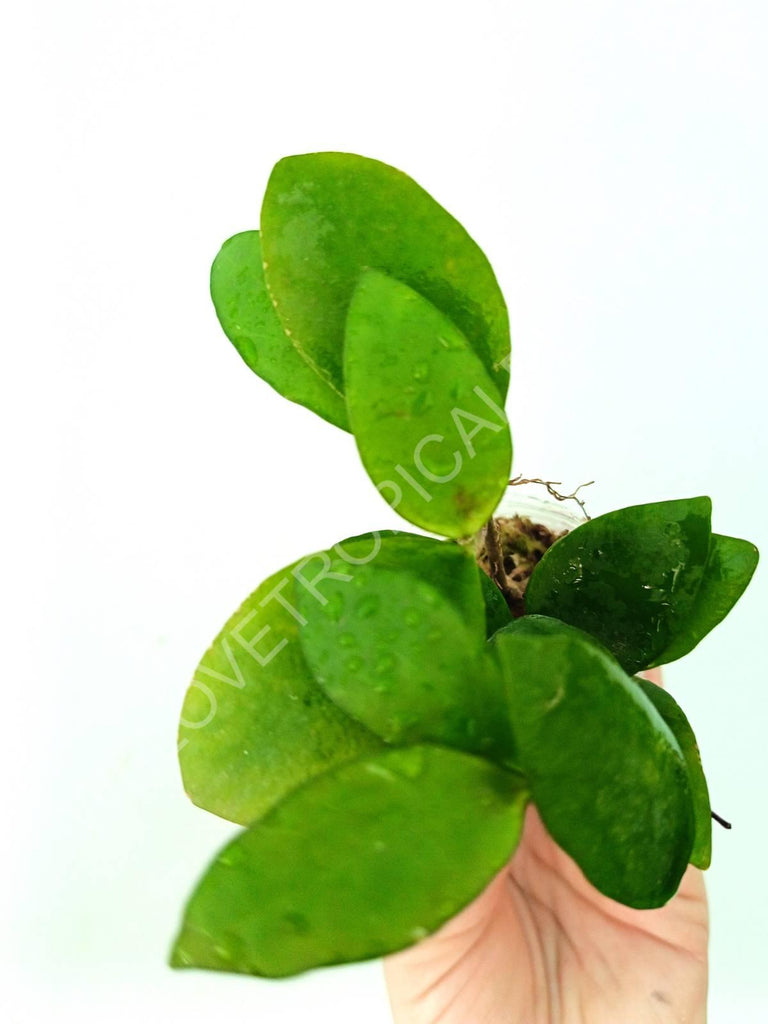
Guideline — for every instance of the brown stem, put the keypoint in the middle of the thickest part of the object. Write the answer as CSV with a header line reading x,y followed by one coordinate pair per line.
x,y
721,821
513,595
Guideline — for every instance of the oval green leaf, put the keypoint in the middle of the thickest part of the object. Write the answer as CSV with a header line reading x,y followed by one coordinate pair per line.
x,y
362,861
630,577
326,216
425,414
605,772
730,566
255,724
680,727
444,565
246,314
400,645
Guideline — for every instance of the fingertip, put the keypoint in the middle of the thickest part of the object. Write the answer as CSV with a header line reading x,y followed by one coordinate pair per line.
x,y
653,675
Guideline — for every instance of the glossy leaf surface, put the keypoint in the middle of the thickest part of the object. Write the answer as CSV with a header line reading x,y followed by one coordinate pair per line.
x,y
444,565
255,724
327,216
497,613
630,578
426,417
248,318
729,569
606,774
399,644
362,861
680,728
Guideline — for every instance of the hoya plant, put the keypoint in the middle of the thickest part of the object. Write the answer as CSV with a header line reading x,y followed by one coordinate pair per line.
x,y
378,715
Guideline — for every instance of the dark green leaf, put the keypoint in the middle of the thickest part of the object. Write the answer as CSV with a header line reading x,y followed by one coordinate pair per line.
x,y
255,724
425,415
605,772
680,727
362,861
245,311
327,216
630,578
497,613
544,625
730,566
399,643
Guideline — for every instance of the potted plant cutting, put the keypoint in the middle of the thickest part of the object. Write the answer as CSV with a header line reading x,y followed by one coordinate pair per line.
x,y
378,715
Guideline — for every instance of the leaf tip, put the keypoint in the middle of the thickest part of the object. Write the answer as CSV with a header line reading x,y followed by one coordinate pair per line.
x,y
194,947
178,957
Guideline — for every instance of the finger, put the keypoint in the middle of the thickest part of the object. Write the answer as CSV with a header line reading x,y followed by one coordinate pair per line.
x,y
653,675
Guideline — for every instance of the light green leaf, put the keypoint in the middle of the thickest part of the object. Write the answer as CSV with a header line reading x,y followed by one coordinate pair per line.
x,y
680,728
630,578
255,723
399,644
426,417
362,861
327,216
248,318
729,569
444,565
605,772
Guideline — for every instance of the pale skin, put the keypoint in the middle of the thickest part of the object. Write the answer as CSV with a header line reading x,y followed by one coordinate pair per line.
x,y
541,946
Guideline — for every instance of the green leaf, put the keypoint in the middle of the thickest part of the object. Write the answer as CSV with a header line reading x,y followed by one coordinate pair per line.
x,y
630,578
424,412
444,565
327,216
399,644
255,723
248,318
681,729
605,772
729,569
497,613
362,861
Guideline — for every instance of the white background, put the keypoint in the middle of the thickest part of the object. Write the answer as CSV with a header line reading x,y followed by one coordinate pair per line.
x,y
611,159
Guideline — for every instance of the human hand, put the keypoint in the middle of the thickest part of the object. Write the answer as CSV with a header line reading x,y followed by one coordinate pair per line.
x,y
541,945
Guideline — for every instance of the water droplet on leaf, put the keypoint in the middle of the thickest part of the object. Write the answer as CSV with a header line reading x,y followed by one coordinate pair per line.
x,y
298,922
368,606
334,609
385,664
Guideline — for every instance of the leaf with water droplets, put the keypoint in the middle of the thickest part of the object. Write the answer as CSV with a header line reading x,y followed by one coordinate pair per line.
x,y
362,861
439,453
444,565
255,724
327,216
630,577
680,727
730,566
606,773
398,642
246,314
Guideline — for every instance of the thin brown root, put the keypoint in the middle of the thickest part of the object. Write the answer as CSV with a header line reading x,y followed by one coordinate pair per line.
x,y
550,485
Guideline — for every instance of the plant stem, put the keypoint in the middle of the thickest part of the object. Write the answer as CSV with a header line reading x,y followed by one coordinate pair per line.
x,y
721,821
513,595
